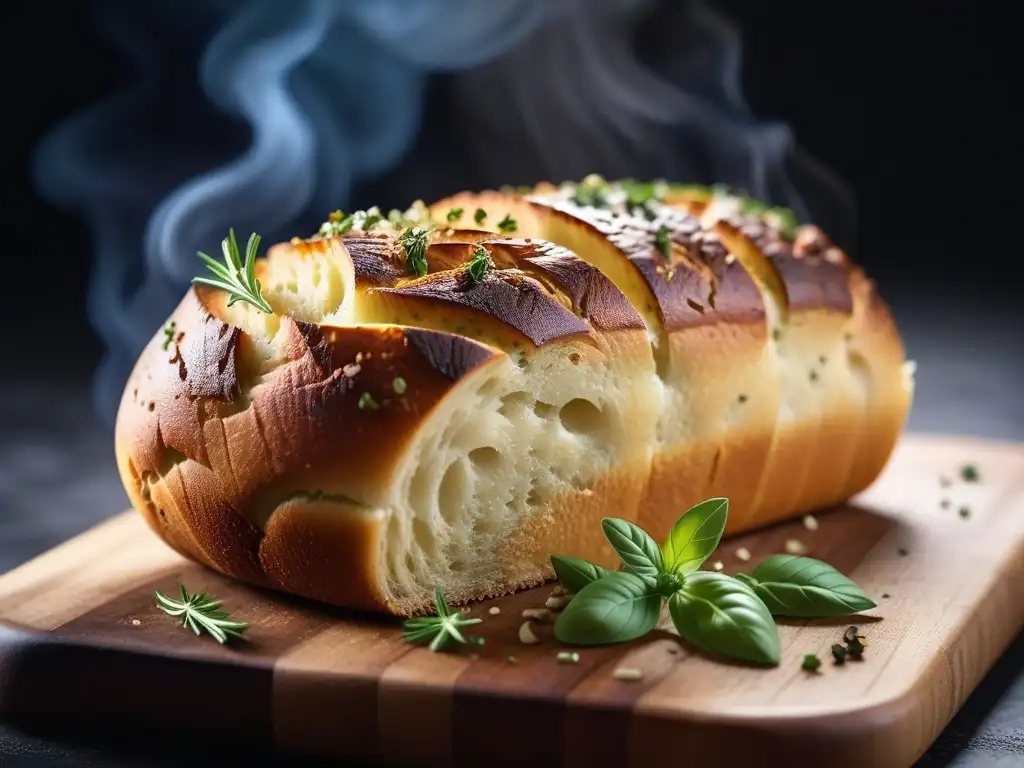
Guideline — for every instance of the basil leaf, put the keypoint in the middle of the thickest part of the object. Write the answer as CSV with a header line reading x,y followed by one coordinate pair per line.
x,y
695,536
803,587
720,614
618,607
639,552
574,573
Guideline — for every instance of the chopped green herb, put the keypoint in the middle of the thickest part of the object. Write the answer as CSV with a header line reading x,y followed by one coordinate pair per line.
x,y
590,193
508,224
169,332
663,243
813,375
822,359
414,242
398,385
851,634
454,214
396,218
370,221
480,264
965,512
480,215
903,551
776,334
337,224
811,662
838,653
367,403
969,473
438,630
742,398
337,215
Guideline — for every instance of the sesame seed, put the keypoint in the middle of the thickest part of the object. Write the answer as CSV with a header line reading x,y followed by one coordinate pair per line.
x,y
527,635
494,610
743,554
557,603
718,565
628,674
810,522
568,657
795,547
136,622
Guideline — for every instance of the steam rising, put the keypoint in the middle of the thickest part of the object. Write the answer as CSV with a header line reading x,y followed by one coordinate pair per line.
x,y
263,115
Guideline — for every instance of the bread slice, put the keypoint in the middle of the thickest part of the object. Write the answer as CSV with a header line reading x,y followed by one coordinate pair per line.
x,y
385,431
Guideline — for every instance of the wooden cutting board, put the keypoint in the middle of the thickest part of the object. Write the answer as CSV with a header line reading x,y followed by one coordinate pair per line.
x,y
80,638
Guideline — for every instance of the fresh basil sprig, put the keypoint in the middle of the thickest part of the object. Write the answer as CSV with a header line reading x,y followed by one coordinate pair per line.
x,y
717,613
801,587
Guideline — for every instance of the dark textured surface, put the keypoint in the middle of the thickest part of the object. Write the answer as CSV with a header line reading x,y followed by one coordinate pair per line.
x,y
57,478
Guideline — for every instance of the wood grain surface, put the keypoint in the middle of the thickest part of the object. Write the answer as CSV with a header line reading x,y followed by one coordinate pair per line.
x,y
81,638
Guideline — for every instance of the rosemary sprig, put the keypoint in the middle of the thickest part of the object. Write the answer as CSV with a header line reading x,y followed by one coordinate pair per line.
x,y
414,241
200,612
480,264
237,279
438,630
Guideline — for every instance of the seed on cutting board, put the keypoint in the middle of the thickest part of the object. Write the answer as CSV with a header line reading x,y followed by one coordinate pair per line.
x,y
851,634
557,603
526,634
743,554
537,614
810,522
795,547
628,674
718,565
838,653
136,623
494,610
568,657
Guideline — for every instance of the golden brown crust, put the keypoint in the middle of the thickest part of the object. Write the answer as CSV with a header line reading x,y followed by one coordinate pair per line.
x,y
288,450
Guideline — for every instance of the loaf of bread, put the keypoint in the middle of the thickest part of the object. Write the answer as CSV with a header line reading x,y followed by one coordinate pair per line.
x,y
446,395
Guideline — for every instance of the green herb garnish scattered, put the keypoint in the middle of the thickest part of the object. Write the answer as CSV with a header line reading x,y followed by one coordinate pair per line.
x,y
480,264
414,242
169,332
479,215
969,473
508,224
965,512
591,193
663,243
454,214
367,403
337,224
398,385
811,662
721,614
838,653
200,612
440,629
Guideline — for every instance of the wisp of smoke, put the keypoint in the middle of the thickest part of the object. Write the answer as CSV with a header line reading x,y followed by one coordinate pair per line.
x,y
262,115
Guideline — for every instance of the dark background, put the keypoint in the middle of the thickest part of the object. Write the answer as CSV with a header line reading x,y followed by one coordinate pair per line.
x,y
911,104
913,109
